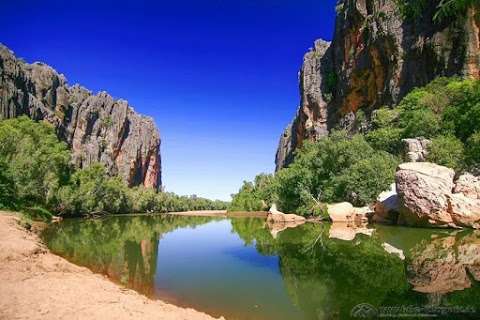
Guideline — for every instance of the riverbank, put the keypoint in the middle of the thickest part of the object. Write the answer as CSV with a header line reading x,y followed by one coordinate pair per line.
x,y
36,284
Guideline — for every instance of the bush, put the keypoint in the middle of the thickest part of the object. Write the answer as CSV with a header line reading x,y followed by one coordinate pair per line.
x,y
36,162
366,179
256,196
335,168
473,149
92,191
386,139
447,151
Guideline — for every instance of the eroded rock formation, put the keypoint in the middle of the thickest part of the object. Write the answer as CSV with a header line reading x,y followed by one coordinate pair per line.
x,y
98,128
429,196
376,57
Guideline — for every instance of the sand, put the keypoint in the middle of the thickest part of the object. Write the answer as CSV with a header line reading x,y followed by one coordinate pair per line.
x,y
36,284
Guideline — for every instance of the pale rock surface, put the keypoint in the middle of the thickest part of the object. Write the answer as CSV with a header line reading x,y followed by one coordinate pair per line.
x,y
416,149
340,212
424,189
275,216
386,206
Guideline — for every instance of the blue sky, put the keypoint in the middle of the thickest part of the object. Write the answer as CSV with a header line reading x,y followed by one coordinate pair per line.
x,y
219,77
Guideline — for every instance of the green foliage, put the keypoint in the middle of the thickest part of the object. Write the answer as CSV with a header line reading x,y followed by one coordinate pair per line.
x,y
447,110
7,187
332,169
256,196
35,163
92,191
364,180
37,179
452,8
445,9
447,151
473,148
37,213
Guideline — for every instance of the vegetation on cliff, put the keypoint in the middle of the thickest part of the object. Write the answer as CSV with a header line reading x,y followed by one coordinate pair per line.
x,y
37,177
357,167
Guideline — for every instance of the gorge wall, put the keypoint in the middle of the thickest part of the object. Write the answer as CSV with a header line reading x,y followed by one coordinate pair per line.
x,y
376,57
97,128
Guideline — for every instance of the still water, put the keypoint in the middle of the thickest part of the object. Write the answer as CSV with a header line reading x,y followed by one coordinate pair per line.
x,y
241,269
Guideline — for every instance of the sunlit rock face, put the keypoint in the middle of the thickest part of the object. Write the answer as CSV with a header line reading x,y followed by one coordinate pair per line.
x,y
98,128
376,57
429,196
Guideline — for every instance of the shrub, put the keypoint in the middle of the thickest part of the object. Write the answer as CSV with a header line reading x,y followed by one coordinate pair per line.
x,y
36,161
473,149
447,151
92,191
366,179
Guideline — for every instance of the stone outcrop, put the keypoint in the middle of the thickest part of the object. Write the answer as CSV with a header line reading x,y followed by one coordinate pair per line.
x,y
97,128
275,216
427,197
386,207
415,149
376,57
346,212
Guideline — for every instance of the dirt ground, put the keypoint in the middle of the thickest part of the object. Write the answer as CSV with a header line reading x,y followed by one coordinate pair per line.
x,y
36,284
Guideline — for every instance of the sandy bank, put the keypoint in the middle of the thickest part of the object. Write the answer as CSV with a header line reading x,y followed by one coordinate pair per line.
x,y
36,284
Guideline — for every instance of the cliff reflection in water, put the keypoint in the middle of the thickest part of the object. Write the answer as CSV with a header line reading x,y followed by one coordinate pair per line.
x,y
319,276
123,248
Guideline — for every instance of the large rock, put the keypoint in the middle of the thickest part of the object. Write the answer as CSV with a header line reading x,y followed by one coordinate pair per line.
x,y
386,207
275,216
423,189
340,212
98,128
468,185
427,197
376,57
415,149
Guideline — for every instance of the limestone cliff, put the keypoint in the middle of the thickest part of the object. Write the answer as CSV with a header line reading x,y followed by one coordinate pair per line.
x,y
376,57
98,128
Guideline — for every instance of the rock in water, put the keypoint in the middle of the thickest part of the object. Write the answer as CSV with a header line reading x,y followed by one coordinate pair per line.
x,y
423,189
386,206
376,57
275,216
340,212
428,196
97,127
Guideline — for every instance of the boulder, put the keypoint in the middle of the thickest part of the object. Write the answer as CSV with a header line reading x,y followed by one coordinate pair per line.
x,y
424,191
275,216
386,206
465,211
415,149
428,196
341,212
468,185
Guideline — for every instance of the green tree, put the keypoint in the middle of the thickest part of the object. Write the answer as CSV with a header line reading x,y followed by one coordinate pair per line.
x,y
447,151
38,163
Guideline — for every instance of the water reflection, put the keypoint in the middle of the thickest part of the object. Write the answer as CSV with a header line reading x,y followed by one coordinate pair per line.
x,y
245,269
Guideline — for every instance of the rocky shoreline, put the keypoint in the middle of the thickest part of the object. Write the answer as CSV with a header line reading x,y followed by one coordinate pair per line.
x,y
37,284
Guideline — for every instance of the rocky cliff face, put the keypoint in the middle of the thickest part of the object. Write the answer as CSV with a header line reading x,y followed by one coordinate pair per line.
x,y
376,57
97,127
